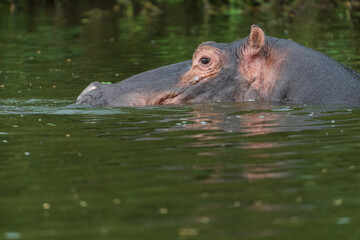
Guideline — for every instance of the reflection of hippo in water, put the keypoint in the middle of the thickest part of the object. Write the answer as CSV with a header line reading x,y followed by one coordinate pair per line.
x,y
256,67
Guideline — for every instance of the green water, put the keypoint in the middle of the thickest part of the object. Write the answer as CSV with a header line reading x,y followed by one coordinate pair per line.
x,y
252,170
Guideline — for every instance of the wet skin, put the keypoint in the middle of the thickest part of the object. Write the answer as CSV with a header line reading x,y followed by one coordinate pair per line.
x,y
255,67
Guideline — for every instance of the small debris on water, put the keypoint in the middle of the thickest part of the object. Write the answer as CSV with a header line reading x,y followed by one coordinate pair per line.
x,y
116,201
351,167
13,235
26,153
337,202
5,141
204,220
343,220
185,232
333,121
68,135
163,210
51,124
237,204
46,206
83,204
68,60
38,52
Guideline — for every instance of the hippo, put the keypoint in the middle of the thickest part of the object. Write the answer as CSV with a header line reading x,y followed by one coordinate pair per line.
x,y
257,67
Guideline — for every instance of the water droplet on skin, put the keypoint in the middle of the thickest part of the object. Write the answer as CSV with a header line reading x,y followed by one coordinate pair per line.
x,y
196,78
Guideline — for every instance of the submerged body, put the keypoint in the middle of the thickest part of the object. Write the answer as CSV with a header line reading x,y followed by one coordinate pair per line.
x,y
256,67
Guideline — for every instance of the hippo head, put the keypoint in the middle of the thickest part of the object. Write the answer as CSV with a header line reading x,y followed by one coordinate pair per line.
x,y
218,72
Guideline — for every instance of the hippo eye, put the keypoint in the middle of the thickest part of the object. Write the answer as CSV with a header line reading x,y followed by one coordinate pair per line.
x,y
205,60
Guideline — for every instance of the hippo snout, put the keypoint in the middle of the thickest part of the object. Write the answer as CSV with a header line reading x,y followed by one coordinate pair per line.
x,y
93,95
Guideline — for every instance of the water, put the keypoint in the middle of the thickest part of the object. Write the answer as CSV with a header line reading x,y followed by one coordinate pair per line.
x,y
251,170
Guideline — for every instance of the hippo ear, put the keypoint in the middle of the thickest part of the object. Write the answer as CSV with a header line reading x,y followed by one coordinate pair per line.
x,y
253,54
255,42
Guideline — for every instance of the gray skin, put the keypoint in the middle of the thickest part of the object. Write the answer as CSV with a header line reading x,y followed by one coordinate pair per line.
x,y
256,67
